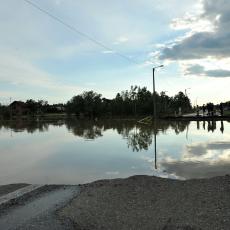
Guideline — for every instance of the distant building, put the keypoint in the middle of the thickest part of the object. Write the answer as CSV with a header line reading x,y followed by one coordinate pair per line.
x,y
60,108
18,108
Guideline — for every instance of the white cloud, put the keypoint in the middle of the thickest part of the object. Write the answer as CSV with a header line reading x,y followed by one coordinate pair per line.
x,y
200,160
208,38
193,23
121,39
200,70
108,52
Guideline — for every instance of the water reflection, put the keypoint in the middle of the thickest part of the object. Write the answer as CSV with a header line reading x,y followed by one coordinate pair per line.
x,y
139,136
119,148
86,129
29,126
199,160
211,125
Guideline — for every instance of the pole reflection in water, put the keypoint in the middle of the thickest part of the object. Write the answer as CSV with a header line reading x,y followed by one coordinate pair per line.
x,y
187,131
222,127
155,143
204,125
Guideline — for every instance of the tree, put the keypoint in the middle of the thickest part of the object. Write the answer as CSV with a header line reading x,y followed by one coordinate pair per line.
x,y
89,103
182,101
136,101
32,106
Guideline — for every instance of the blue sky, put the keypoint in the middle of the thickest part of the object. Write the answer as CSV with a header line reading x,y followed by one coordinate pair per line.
x,y
42,59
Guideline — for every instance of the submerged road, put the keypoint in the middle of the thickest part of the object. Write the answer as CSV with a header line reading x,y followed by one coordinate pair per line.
x,y
37,209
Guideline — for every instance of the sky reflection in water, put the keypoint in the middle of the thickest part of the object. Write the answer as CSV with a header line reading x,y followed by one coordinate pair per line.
x,y
72,152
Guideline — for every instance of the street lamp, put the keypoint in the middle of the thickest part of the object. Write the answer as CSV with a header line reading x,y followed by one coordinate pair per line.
x,y
155,114
186,91
154,93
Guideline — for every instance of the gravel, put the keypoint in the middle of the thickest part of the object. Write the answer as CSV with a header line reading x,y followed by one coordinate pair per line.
x,y
149,203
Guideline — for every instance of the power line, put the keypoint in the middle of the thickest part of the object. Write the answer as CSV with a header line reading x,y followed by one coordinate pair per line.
x,y
75,30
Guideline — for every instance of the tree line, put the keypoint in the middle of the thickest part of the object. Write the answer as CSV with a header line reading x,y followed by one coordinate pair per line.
x,y
136,101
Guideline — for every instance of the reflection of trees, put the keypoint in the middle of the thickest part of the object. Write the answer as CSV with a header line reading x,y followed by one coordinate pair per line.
x,y
87,129
30,126
211,126
179,127
90,129
139,136
139,139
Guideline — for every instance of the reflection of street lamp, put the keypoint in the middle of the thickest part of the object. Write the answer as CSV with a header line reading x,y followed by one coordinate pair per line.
x,y
154,93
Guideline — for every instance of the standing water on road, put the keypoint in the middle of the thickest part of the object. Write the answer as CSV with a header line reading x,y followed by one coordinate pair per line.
x,y
73,151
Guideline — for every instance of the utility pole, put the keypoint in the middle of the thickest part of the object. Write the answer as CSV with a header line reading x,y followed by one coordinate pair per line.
x,y
154,96
154,118
154,93
186,91
10,109
155,115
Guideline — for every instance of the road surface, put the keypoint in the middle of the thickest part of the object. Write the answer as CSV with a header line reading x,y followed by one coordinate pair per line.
x,y
36,208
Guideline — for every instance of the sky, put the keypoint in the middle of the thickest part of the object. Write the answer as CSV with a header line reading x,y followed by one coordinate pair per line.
x,y
40,58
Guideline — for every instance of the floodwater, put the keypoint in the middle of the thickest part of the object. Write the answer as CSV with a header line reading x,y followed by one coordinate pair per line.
x,y
72,151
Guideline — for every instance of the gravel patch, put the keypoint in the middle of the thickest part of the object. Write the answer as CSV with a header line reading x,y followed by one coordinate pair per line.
x,y
145,202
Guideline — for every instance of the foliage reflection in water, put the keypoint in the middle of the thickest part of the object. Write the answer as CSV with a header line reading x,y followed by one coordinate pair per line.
x,y
56,151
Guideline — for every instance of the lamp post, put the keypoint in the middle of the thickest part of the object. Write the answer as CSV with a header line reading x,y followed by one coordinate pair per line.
x,y
186,91
155,114
154,93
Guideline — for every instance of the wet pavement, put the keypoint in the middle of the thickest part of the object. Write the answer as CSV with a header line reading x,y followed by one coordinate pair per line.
x,y
6,189
39,211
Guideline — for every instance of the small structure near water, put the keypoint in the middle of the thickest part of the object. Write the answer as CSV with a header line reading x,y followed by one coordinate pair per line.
x,y
18,108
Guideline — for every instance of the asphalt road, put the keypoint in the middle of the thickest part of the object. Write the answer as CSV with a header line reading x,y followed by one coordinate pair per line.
x,y
38,210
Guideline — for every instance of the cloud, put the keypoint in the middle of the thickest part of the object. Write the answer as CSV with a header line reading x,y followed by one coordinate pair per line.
x,y
201,160
200,149
202,44
121,39
200,70
108,52
208,37
190,170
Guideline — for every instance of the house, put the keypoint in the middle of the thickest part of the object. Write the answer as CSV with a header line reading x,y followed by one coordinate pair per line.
x,y
60,108
18,108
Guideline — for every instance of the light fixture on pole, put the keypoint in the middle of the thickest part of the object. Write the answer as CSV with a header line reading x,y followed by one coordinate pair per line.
x,y
186,91
154,93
